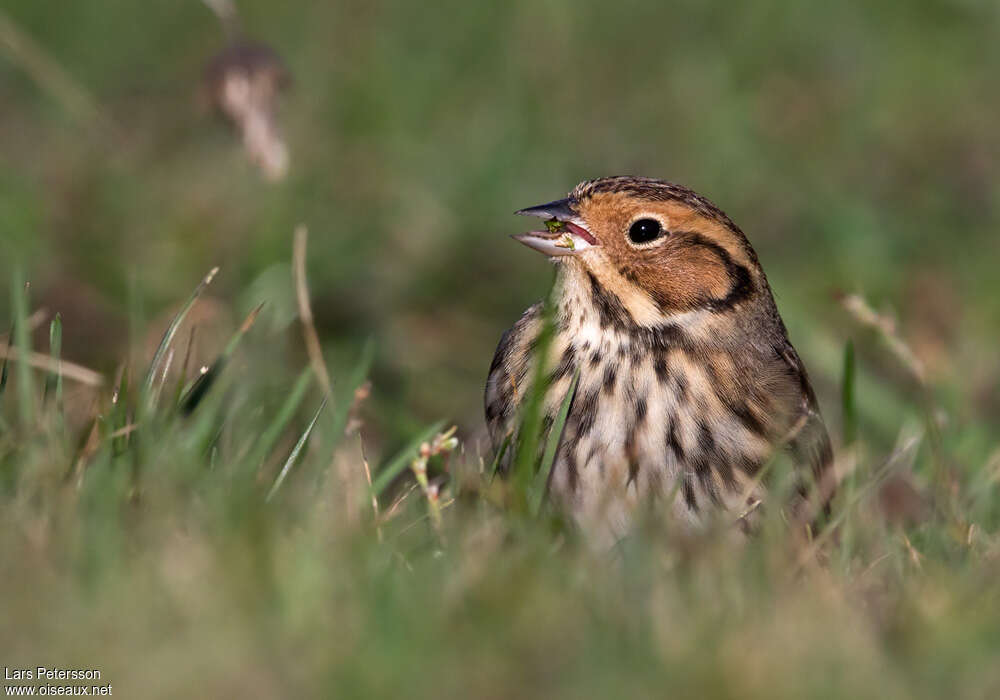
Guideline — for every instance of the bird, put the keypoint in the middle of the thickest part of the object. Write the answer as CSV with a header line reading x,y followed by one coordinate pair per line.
x,y
685,386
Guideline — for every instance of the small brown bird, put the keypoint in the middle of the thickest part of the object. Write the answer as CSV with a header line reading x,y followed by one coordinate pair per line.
x,y
687,381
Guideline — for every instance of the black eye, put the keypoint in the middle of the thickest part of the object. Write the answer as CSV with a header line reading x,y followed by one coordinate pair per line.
x,y
644,230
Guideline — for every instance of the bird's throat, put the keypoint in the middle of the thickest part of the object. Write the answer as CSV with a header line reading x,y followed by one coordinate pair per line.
x,y
594,288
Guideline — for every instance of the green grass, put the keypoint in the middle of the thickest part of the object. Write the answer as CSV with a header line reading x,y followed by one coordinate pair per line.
x,y
163,552
854,142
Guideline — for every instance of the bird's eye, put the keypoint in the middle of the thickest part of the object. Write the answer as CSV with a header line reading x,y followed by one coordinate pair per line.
x,y
644,230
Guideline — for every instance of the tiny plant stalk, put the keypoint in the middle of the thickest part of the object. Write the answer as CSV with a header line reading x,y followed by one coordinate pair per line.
x,y
22,340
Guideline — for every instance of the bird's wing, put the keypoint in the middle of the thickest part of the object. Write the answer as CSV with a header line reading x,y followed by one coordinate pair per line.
x,y
807,438
505,384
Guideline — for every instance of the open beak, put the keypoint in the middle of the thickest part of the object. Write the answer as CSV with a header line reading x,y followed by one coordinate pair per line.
x,y
565,234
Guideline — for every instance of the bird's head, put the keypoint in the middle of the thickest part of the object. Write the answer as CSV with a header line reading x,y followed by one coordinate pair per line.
x,y
661,248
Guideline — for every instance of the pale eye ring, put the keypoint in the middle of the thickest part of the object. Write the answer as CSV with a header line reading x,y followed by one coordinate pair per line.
x,y
645,230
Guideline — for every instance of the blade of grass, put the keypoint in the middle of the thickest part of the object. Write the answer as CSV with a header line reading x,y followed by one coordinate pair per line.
x,y
395,466
154,398
354,381
850,418
215,413
537,496
294,455
22,341
68,370
53,383
338,422
199,387
847,394
530,433
168,336
185,365
504,447
8,352
196,392
6,358
281,419
368,478
119,414
309,334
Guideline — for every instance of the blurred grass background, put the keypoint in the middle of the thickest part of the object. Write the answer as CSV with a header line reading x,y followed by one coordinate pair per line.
x,y
856,143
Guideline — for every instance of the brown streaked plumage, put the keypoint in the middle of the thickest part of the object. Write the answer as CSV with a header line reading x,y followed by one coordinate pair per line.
x,y
688,383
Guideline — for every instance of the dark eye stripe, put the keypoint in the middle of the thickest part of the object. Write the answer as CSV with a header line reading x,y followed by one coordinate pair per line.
x,y
645,230
741,284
